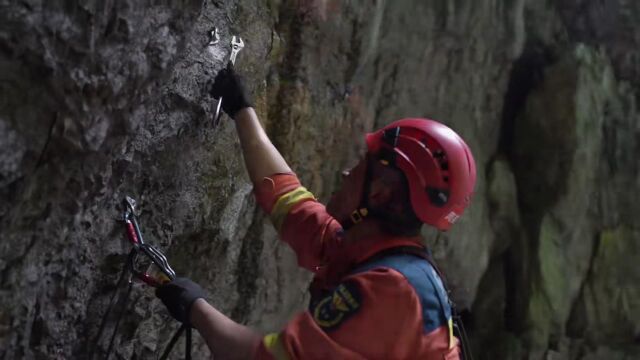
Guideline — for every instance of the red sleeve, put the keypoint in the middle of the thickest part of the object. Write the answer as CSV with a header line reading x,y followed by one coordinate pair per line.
x,y
301,221
312,233
273,187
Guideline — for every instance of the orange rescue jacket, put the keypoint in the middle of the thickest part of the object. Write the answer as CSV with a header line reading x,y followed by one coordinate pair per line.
x,y
362,306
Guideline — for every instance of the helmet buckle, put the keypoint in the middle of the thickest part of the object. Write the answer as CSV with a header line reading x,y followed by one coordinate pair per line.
x,y
358,215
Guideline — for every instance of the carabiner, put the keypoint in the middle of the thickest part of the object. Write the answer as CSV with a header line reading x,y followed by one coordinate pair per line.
x,y
165,273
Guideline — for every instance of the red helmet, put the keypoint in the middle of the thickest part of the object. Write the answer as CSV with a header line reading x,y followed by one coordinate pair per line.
x,y
437,163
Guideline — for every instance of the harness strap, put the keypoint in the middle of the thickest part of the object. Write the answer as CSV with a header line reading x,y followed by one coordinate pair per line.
x,y
455,326
418,251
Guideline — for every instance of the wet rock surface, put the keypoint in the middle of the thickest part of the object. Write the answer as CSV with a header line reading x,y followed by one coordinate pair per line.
x,y
103,99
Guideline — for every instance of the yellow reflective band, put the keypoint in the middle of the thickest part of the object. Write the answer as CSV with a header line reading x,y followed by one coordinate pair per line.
x,y
273,344
285,203
451,342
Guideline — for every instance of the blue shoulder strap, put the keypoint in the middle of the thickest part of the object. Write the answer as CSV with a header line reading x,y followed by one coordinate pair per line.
x,y
422,276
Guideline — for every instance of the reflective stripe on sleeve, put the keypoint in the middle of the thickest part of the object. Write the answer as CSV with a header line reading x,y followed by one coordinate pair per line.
x,y
273,344
287,201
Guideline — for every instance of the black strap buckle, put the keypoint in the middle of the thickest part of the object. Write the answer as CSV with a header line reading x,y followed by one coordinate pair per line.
x,y
358,215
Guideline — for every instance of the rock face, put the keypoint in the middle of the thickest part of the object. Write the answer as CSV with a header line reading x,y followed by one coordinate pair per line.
x,y
108,98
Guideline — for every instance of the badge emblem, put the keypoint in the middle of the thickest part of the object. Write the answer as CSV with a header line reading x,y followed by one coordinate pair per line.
x,y
338,306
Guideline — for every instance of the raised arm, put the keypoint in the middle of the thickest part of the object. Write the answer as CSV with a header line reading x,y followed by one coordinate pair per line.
x,y
261,157
301,221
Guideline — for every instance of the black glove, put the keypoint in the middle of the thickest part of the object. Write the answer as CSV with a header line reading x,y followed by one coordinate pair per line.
x,y
230,87
178,296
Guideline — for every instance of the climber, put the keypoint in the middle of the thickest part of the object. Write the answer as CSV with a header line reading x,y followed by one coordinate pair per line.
x,y
376,293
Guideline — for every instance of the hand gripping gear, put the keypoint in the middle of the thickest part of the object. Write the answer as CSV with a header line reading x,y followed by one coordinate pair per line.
x,y
141,255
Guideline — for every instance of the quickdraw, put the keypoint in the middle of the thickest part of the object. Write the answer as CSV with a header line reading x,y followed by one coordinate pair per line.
x,y
141,255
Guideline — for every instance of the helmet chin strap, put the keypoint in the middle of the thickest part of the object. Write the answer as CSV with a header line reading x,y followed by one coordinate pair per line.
x,y
362,210
356,217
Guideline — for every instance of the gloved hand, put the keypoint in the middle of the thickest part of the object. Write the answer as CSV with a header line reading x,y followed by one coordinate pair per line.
x,y
178,296
230,87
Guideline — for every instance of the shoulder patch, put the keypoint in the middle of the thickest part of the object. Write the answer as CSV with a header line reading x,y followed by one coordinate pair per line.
x,y
332,310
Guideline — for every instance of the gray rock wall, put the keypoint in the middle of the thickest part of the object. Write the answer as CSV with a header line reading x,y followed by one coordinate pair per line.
x,y
101,99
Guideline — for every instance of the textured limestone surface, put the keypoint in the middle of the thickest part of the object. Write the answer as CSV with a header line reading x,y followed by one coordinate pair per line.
x,y
102,99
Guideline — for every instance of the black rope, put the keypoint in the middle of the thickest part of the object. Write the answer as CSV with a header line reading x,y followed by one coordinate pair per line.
x,y
123,301
464,339
173,341
114,299
122,310
187,350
